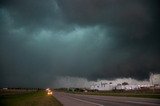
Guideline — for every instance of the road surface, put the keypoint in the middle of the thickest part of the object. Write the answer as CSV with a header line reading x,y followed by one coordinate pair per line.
x,y
89,100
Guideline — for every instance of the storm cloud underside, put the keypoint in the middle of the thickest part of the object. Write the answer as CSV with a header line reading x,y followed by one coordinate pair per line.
x,y
93,39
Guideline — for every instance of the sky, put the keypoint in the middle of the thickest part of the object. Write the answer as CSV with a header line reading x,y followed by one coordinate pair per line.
x,y
41,40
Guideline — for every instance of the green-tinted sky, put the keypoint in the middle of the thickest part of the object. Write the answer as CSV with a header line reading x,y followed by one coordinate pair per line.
x,y
93,39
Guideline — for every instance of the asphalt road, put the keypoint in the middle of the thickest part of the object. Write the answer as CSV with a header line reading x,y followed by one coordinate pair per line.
x,y
89,100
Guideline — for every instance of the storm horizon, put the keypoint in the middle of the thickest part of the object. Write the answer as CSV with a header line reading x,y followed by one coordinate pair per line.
x,y
91,39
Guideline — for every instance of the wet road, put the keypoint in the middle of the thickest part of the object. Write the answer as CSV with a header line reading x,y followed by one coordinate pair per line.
x,y
89,100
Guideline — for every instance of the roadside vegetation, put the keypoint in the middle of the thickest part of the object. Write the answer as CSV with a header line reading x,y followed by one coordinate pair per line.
x,y
144,93
31,98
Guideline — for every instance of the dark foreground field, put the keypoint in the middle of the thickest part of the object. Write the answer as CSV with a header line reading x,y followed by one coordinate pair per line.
x,y
36,98
131,93
125,94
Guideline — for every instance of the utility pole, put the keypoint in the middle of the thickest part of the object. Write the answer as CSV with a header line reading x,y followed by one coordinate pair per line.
x,y
151,80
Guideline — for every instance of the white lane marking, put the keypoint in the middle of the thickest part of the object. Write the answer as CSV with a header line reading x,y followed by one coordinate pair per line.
x,y
145,103
86,101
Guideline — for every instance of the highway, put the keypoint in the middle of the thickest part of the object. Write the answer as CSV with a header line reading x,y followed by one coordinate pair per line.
x,y
89,100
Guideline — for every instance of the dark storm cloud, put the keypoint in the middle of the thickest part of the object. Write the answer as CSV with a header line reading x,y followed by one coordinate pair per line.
x,y
31,13
135,16
41,39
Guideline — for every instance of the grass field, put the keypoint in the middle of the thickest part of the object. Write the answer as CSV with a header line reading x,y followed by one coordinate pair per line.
x,y
37,98
131,93
127,94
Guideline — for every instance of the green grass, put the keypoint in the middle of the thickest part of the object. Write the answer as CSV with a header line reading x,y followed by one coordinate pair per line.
x,y
39,98
128,95
122,94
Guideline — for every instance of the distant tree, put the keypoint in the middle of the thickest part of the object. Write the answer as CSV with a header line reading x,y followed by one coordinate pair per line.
x,y
125,83
118,84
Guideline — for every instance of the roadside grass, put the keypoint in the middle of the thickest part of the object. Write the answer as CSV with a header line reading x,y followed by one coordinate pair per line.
x,y
122,94
157,96
37,98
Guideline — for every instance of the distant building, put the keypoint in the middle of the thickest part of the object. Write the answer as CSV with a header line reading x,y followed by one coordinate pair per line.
x,y
102,85
127,87
155,79
154,82
5,88
106,86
